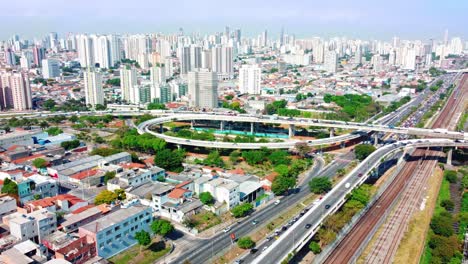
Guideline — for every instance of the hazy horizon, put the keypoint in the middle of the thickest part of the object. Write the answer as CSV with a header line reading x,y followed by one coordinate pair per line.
x,y
363,19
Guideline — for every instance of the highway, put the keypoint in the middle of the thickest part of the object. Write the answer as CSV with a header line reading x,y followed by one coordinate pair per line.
x,y
146,126
202,251
297,236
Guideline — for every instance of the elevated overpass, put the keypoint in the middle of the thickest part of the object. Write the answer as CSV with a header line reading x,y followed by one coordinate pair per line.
x,y
146,127
296,237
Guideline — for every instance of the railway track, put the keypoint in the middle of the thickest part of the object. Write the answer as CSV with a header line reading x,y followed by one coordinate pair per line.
x,y
346,249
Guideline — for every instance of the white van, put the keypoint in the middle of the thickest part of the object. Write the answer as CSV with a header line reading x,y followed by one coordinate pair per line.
x,y
347,185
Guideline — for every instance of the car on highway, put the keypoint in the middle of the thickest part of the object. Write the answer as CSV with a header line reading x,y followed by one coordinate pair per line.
x,y
264,248
277,202
308,226
227,229
239,261
253,251
347,185
360,174
327,206
254,222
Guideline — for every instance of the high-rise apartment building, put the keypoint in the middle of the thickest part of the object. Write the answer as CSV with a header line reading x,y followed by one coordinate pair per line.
x,y
331,61
85,51
184,59
15,91
158,74
128,83
222,61
93,87
203,89
249,79
38,55
50,68
102,51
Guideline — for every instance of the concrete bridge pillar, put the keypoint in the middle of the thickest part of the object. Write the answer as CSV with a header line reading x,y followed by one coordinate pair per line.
x,y
332,132
221,126
191,124
161,128
292,129
178,146
449,157
252,128
376,139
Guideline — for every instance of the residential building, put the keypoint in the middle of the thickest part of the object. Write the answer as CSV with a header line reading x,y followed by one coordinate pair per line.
x,y
50,68
249,79
72,248
331,61
24,138
203,89
128,83
93,87
34,226
115,232
59,203
7,206
85,50
15,92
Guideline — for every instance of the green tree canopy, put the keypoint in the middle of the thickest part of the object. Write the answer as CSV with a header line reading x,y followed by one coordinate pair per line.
x,y
143,238
67,145
170,160
241,210
156,106
206,198
49,104
53,131
282,183
363,150
214,159
320,185
39,163
279,157
162,227
108,197
9,187
315,247
245,242
442,224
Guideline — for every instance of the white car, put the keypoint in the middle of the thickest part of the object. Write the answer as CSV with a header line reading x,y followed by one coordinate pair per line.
x,y
227,229
347,185
277,202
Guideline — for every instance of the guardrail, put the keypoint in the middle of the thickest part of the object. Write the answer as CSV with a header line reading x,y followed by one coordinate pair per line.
x,y
378,155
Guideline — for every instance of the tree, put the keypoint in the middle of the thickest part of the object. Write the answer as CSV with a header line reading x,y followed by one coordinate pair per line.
x,y
245,242
100,107
320,185
279,157
73,119
442,224
253,157
143,238
44,125
302,148
363,150
54,131
361,194
214,159
67,145
282,170
10,187
241,210
39,163
162,227
451,176
105,196
315,247
206,198
49,104
447,204
282,183
234,156
156,106
113,82
109,175
121,195
170,160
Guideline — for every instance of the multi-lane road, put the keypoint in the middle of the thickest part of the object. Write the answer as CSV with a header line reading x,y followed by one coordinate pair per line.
x,y
203,250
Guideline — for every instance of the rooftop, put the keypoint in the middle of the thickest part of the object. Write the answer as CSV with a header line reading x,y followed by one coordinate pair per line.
x,y
114,218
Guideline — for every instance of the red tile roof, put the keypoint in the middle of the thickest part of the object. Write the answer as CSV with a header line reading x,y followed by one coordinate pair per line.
x,y
237,171
180,185
82,209
84,174
132,165
177,193
28,158
52,201
271,177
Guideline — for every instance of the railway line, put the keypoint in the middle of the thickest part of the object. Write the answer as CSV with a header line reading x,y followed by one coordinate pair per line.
x,y
387,244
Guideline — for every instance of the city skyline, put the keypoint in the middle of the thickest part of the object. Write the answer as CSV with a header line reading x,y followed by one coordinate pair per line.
x,y
361,19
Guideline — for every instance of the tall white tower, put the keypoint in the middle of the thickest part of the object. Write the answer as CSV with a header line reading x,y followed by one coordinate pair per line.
x,y
93,87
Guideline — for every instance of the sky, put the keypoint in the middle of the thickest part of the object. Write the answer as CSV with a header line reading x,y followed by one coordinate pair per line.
x,y
366,19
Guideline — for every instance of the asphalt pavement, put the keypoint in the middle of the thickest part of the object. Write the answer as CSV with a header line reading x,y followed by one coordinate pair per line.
x,y
204,250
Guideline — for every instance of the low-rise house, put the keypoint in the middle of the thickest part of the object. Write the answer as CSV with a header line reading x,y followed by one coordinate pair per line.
x,y
249,191
115,232
33,226
82,217
26,252
36,186
7,206
72,248
60,203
